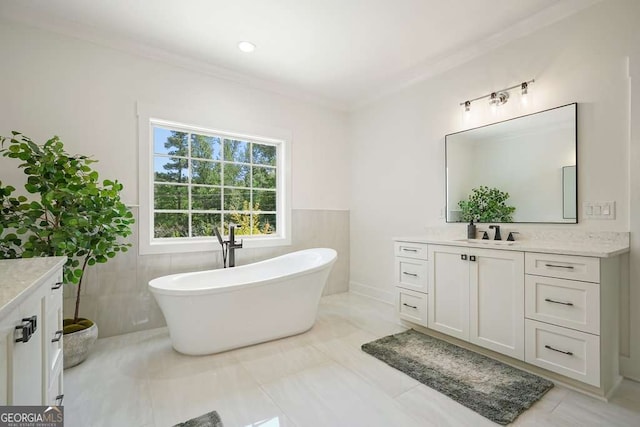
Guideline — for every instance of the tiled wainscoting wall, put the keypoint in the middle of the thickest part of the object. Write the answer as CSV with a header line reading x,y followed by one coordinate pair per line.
x,y
116,297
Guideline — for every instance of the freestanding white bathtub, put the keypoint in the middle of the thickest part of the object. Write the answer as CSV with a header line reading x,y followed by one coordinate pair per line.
x,y
217,310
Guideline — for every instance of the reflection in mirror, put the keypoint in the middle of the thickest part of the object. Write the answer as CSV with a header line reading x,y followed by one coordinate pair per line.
x,y
532,158
569,192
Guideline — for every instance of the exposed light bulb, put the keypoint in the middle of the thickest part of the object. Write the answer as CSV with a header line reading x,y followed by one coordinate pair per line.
x,y
246,46
493,102
525,93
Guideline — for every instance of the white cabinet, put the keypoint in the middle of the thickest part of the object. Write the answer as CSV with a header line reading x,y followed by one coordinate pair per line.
x,y
27,357
555,311
496,301
571,321
449,291
53,352
30,333
411,274
477,295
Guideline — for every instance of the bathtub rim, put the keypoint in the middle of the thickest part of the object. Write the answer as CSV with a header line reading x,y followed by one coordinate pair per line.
x,y
240,286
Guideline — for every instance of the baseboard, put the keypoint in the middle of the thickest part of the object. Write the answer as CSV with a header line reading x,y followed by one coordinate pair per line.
x,y
371,292
614,388
629,368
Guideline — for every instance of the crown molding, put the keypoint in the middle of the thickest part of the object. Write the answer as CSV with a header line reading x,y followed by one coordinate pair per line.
x,y
453,59
423,71
80,32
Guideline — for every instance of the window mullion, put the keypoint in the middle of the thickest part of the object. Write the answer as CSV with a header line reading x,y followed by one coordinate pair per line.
x,y
251,188
222,189
189,174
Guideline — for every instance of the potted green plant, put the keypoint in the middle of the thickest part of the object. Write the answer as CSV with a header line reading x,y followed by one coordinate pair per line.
x,y
70,213
486,205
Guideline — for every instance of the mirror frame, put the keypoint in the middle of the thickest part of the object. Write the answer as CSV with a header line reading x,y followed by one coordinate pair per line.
x,y
446,186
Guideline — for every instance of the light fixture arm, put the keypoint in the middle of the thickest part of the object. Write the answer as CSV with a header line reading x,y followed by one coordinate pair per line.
x,y
522,85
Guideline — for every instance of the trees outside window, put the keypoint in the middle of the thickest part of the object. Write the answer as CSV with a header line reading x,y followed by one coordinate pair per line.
x,y
203,180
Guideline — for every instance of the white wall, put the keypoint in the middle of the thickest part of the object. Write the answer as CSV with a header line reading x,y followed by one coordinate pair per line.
x,y
398,142
87,94
51,84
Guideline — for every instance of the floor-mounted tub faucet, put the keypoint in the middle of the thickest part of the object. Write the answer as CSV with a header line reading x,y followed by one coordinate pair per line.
x,y
228,246
233,245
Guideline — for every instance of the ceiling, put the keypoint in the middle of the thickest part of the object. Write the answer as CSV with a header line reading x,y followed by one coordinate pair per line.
x,y
343,53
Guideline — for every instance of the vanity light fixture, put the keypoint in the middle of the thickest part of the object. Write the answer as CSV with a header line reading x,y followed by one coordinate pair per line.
x,y
246,46
500,97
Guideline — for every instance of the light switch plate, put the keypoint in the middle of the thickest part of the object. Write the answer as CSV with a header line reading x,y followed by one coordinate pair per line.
x,y
599,210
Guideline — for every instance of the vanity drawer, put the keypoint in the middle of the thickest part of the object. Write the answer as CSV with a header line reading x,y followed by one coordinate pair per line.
x,y
571,267
564,351
55,394
53,321
53,338
412,306
411,273
54,284
411,250
567,303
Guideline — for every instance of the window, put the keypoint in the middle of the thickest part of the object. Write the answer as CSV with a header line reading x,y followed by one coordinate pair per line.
x,y
199,179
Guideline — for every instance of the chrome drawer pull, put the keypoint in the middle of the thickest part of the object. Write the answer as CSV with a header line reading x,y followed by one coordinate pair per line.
x,y
57,336
568,353
58,285
569,267
410,274
412,306
558,302
409,250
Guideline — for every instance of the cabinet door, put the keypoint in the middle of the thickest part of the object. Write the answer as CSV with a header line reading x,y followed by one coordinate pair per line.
x,y
27,357
7,328
497,301
449,291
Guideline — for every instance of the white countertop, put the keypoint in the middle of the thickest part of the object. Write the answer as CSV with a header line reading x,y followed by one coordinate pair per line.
x,y
19,277
596,248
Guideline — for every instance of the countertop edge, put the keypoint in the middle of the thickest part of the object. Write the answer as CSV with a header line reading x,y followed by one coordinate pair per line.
x,y
522,246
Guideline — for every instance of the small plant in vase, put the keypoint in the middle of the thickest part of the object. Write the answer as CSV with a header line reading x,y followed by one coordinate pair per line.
x,y
486,205
69,213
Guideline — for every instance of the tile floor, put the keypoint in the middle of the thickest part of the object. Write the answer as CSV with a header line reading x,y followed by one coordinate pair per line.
x,y
319,378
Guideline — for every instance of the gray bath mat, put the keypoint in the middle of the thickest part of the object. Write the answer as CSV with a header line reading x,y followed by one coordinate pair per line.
x,y
494,390
211,419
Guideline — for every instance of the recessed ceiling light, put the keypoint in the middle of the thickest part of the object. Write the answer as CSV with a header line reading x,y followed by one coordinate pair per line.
x,y
246,46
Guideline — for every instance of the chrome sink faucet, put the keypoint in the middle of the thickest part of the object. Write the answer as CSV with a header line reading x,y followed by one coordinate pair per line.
x,y
228,246
497,236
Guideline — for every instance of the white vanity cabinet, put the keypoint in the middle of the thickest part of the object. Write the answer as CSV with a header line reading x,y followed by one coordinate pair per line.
x,y
552,310
411,274
477,295
31,331
571,316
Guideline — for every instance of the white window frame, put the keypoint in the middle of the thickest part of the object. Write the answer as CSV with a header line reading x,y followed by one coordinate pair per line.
x,y
150,116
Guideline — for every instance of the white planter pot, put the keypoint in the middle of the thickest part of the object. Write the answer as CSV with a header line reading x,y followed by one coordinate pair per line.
x,y
78,344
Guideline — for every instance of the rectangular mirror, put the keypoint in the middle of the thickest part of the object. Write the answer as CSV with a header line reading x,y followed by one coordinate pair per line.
x,y
532,158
